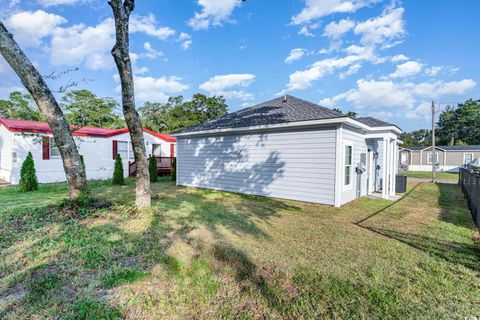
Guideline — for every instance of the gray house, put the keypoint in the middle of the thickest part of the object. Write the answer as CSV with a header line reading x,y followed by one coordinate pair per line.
x,y
448,158
293,149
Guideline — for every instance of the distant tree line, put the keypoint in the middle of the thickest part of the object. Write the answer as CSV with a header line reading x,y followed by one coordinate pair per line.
x,y
85,108
458,125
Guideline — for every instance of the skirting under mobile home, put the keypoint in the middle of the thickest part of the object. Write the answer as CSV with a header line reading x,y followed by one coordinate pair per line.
x,y
290,148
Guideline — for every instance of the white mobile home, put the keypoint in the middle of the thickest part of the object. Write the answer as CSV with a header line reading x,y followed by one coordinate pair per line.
x,y
290,148
99,147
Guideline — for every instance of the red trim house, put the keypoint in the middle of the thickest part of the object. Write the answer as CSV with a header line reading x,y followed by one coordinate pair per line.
x,y
99,147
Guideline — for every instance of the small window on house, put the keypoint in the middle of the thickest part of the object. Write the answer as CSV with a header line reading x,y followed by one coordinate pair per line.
x,y
430,158
122,149
132,155
467,158
54,152
348,165
157,150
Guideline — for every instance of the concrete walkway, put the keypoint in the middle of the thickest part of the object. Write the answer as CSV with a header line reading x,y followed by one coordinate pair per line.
x,y
447,181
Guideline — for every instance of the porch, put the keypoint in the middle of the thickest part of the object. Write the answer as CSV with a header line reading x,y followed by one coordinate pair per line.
x,y
164,166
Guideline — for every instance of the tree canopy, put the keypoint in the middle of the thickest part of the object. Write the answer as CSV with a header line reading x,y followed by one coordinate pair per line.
x,y
351,114
177,114
84,108
421,137
460,125
20,106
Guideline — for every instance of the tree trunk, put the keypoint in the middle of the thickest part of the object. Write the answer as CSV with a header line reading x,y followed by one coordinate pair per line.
x,y
121,55
33,81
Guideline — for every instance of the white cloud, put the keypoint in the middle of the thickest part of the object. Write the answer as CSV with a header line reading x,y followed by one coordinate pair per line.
x,y
185,40
229,85
398,58
402,96
384,115
351,71
156,89
50,3
315,9
91,45
148,25
438,89
335,30
30,28
151,52
81,44
214,12
300,80
384,29
305,32
435,70
295,54
371,93
407,69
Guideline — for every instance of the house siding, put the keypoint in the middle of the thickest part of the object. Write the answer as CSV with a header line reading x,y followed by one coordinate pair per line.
x,y
355,138
6,150
448,160
97,153
295,164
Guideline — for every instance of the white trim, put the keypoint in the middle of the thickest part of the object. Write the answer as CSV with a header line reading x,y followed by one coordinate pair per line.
x,y
338,166
295,124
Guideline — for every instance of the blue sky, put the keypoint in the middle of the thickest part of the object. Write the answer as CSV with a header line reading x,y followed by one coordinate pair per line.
x,y
386,59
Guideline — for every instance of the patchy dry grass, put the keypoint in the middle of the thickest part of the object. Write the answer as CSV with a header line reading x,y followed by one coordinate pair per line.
x,y
428,175
207,254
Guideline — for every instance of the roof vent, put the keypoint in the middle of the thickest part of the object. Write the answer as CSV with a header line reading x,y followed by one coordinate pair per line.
x,y
284,98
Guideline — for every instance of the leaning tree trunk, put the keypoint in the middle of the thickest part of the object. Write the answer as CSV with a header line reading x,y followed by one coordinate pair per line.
x,y
121,12
33,81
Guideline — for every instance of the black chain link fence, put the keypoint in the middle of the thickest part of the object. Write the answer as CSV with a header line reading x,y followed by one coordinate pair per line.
x,y
470,184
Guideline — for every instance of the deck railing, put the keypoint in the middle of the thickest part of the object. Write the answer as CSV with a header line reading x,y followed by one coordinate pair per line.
x,y
164,166
470,184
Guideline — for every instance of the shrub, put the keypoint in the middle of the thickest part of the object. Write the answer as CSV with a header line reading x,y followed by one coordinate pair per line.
x,y
173,170
118,178
82,161
28,175
152,167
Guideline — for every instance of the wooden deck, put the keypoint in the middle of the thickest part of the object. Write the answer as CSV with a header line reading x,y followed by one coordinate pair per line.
x,y
164,166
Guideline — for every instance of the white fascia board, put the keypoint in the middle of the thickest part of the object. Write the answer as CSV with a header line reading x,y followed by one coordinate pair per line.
x,y
297,124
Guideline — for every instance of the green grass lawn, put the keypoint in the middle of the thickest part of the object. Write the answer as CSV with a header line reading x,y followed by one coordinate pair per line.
x,y
428,175
202,254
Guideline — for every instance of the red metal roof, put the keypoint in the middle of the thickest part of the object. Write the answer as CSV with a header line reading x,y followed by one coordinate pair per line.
x,y
43,127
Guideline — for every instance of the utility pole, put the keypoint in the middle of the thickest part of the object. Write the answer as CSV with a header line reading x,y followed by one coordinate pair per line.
x,y
434,153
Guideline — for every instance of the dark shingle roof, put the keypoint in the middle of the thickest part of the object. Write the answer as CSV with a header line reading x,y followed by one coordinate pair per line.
x,y
270,112
279,110
448,148
372,122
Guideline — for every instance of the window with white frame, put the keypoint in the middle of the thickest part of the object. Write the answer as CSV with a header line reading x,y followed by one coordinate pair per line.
x,y
467,158
156,150
348,166
132,155
430,158
54,152
122,149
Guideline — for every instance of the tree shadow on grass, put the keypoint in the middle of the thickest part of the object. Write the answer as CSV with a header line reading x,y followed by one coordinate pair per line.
x,y
452,210
77,255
